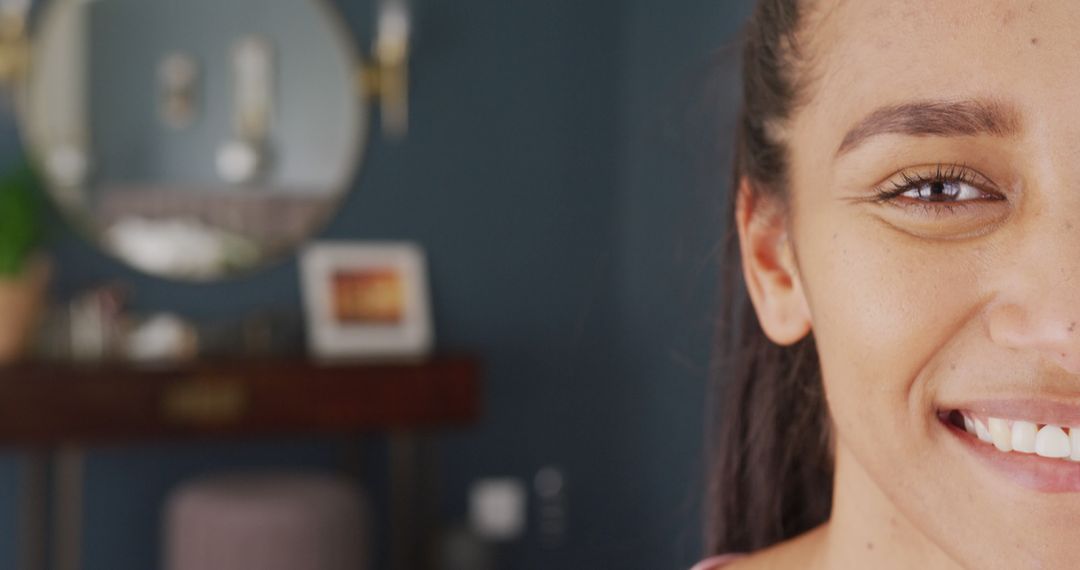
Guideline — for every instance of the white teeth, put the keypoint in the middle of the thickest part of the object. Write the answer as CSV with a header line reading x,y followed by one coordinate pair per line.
x,y
981,432
1002,434
1023,436
1051,441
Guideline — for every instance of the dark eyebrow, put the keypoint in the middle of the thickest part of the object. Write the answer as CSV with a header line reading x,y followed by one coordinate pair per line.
x,y
936,118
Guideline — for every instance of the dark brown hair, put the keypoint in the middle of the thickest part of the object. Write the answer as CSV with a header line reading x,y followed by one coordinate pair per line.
x,y
771,472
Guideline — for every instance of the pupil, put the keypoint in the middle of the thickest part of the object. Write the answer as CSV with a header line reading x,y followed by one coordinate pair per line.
x,y
938,192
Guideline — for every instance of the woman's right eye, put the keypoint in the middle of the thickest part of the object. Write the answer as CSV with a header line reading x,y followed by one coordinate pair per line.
x,y
942,201
939,190
944,191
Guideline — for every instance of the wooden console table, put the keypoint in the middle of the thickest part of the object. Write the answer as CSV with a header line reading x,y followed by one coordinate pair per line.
x,y
60,408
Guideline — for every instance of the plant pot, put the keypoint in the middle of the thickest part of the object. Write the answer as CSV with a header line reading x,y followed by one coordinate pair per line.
x,y
21,300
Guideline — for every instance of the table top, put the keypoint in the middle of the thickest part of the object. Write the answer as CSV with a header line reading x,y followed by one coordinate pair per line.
x,y
60,403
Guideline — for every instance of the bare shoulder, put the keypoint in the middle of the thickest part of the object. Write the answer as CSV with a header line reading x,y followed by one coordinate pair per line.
x,y
799,552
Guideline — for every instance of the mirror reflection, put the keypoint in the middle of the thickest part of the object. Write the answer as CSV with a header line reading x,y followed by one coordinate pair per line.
x,y
186,137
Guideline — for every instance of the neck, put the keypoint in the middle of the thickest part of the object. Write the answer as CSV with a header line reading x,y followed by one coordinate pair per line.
x,y
866,530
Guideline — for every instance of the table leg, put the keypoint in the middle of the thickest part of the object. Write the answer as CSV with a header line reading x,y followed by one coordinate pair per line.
x,y
68,499
33,511
403,455
413,501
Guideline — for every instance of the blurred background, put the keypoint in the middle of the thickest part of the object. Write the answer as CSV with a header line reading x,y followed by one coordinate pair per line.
x,y
558,174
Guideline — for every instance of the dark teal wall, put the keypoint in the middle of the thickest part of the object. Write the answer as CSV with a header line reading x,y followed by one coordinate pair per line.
x,y
569,242
678,101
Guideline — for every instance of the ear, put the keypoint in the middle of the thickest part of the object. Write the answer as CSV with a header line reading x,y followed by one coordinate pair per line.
x,y
769,267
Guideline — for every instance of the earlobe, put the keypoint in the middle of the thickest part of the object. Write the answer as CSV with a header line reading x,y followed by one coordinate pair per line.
x,y
769,267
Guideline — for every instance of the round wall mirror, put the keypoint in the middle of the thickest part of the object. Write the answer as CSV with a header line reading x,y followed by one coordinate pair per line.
x,y
194,139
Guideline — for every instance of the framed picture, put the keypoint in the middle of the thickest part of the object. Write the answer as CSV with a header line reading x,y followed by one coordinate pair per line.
x,y
366,300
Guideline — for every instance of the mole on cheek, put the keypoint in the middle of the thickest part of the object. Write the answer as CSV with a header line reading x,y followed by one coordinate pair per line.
x,y
1034,41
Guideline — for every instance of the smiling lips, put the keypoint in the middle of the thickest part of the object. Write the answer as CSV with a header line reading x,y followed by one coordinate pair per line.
x,y
1033,453
1019,436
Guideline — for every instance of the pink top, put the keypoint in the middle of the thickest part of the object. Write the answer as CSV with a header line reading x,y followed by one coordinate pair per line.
x,y
716,562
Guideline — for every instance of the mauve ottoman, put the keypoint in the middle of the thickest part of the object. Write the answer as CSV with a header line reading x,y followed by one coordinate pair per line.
x,y
267,521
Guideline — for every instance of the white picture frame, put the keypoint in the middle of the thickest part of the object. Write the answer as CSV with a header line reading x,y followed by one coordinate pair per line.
x,y
366,300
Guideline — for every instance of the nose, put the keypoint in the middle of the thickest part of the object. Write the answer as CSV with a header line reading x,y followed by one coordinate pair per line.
x,y
1051,329
1037,302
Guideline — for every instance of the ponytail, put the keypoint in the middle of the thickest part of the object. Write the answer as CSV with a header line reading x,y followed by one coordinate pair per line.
x,y
771,464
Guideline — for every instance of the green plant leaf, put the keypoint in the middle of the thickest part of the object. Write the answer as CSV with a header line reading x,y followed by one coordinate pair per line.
x,y
20,221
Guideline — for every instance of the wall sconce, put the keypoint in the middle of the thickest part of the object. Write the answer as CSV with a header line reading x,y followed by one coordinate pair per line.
x,y
14,49
386,77
178,78
241,159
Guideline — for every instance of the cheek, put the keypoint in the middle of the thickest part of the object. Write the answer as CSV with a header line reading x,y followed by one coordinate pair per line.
x,y
884,306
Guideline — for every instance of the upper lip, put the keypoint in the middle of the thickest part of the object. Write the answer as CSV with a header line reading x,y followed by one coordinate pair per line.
x,y
1036,410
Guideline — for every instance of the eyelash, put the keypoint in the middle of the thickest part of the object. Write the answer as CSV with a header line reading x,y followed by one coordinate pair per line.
x,y
892,192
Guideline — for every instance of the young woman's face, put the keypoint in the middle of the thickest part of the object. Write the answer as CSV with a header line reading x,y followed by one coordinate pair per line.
x,y
935,217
